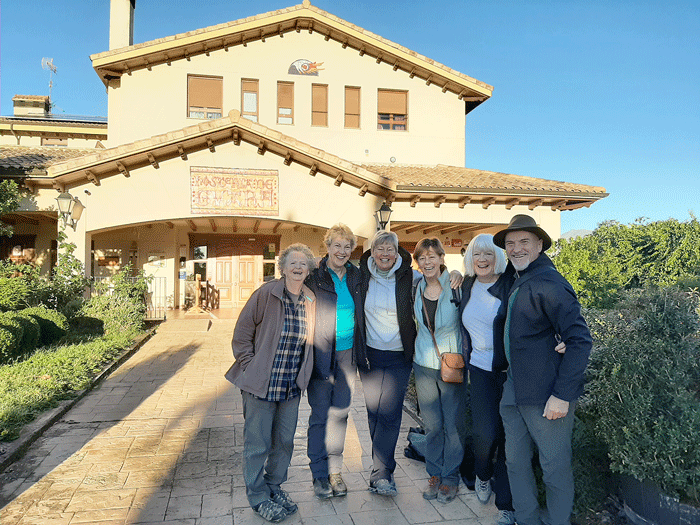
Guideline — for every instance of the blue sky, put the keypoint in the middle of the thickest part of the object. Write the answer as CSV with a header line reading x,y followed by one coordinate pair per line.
x,y
599,92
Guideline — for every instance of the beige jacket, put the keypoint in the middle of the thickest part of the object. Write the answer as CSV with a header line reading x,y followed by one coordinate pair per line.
x,y
256,337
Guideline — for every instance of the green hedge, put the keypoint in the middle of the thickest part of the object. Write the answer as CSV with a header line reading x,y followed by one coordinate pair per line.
x,y
52,324
11,332
14,293
643,394
31,331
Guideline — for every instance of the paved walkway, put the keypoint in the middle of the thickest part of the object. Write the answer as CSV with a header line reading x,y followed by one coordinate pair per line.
x,y
160,441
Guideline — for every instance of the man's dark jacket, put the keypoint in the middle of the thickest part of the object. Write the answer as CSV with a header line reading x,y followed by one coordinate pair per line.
x,y
545,305
404,301
499,290
321,283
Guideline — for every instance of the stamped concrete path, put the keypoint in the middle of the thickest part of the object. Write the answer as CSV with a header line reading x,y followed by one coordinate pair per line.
x,y
160,441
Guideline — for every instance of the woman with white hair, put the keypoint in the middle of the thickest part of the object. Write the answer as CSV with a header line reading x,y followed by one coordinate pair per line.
x,y
273,350
486,286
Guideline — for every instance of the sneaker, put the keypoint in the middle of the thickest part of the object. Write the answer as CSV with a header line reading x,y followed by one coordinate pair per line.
x,y
322,488
506,517
338,485
447,493
283,499
469,482
383,487
483,490
271,511
431,491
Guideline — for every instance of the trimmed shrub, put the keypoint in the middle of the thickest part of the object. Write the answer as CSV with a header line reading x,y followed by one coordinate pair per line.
x,y
14,293
119,314
644,388
83,324
11,332
52,324
31,331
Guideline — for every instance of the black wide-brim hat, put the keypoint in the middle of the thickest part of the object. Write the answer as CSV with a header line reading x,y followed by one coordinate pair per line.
x,y
523,223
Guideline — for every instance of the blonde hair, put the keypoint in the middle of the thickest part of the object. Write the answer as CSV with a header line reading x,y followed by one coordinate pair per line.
x,y
296,247
342,231
484,241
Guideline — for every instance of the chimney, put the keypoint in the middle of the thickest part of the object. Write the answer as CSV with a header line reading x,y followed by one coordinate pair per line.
x,y
121,23
31,106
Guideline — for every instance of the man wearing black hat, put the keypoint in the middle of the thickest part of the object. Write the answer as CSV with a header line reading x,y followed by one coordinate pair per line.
x,y
540,393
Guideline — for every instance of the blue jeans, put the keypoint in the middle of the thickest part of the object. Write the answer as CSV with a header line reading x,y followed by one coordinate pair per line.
x,y
526,428
330,401
268,444
442,407
384,385
488,434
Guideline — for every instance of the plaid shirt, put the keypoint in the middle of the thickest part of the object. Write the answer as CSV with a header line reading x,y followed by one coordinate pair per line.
x,y
287,363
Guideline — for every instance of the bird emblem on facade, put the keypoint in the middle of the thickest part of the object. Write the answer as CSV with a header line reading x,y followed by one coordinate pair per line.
x,y
305,67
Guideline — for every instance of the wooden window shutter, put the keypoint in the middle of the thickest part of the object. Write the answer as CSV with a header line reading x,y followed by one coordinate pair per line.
x,y
392,102
285,102
319,105
205,92
352,107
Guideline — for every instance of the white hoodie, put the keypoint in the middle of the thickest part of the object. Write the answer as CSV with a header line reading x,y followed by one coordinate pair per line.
x,y
380,309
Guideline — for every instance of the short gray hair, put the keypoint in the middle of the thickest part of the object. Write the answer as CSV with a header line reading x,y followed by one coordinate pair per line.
x,y
383,237
296,247
484,241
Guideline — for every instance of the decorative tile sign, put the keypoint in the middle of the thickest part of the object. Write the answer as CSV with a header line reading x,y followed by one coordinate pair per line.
x,y
227,191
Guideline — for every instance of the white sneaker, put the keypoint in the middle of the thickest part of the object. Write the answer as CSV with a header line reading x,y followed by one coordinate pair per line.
x,y
483,490
506,517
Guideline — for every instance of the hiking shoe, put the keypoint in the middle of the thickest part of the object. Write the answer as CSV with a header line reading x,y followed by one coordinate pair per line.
x,y
283,499
338,485
270,511
447,493
483,490
431,491
383,487
322,488
506,517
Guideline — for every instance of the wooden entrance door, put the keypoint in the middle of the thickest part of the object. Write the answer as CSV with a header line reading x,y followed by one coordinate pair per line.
x,y
249,276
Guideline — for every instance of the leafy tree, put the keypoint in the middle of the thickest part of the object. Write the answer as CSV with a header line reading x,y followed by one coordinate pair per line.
x,y
9,202
617,257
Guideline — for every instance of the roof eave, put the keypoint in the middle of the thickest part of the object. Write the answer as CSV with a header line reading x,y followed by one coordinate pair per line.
x,y
111,65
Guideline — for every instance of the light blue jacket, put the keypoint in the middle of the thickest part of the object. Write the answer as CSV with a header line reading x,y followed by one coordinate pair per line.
x,y
447,333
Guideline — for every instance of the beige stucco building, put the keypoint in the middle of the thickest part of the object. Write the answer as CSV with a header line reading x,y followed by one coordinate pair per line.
x,y
228,143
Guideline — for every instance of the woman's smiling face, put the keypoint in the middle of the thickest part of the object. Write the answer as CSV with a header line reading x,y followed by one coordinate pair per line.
x,y
384,256
429,263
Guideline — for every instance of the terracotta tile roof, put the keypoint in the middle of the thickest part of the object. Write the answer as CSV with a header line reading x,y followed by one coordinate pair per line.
x,y
440,176
41,98
77,122
207,39
21,159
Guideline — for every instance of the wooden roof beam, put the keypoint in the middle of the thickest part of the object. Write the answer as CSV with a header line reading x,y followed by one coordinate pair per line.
x,y
451,229
256,226
415,228
276,227
181,152
533,204
122,169
262,148
235,137
557,205
415,200
488,202
512,202
363,190
440,201
464,201
92,177
288,159
193,226
339,179
433,229
210,145
170,224
153,160
212,223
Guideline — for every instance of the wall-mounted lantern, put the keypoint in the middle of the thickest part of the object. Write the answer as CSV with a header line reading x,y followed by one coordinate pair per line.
x,y
70,209
383,215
